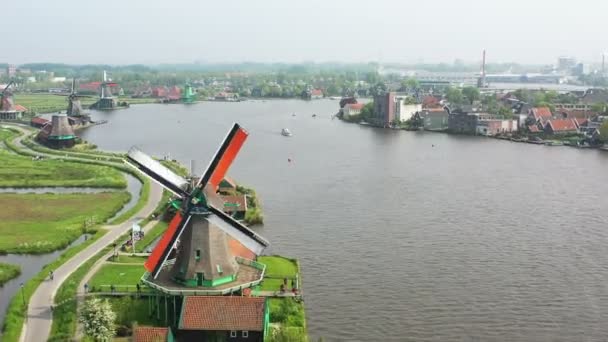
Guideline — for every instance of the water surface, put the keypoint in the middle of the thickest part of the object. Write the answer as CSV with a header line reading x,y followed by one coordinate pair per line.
x,y
408,235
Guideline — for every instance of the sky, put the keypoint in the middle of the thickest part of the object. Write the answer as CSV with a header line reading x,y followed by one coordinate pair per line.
x,y
185,31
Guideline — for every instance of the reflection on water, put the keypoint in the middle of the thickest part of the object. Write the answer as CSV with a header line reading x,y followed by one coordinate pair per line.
x,y
408,235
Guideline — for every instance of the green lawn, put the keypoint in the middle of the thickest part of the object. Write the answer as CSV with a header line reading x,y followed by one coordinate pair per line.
x,y
41,223
270,284
129,310
116,274
20,171
6,134
149,237
279,267
128,259
8,272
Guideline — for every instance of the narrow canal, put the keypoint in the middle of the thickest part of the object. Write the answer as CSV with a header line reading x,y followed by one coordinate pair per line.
x,y
403,235
32,264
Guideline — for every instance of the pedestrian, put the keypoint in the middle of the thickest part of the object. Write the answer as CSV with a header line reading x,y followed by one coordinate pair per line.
x,y
138,288
52,308
51,275
112,288
285,281
86,287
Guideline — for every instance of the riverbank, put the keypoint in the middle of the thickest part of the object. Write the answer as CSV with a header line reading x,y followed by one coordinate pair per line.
x,y
8,272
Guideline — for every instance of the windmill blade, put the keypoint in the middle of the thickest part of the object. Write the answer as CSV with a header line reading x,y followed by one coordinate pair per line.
x,y
7,86
238,231
163,248
157,172
224,157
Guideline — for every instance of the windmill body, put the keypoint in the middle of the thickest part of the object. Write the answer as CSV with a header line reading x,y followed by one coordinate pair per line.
x,y
107,101
8,109
204,250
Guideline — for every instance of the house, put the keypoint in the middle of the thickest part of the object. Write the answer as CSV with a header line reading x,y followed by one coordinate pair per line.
x,y
463,122
316,94
384,109
351,109
575,113
561,126
435,119
38,122
404,110
159,92
226,96
152,334
534,129
235,205
391,107
540,114
227,186
430,101
174,93
491,127
221,318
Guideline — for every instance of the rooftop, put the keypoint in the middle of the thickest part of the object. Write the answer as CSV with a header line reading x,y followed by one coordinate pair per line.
x,y
223,313
562,125
150,334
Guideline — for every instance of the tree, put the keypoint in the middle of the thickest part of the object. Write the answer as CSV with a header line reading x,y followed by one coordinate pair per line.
x,y
410,84
454,96
600,107
98,319
471,93
604,132
367,112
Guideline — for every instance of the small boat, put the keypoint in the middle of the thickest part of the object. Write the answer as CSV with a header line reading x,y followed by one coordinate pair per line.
x,y
294,114
285,132
314,115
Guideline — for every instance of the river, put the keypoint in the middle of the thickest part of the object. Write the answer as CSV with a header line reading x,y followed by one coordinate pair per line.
x,y
408,235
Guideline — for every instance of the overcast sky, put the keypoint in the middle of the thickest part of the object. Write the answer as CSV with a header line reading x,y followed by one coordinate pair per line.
x,y
183,31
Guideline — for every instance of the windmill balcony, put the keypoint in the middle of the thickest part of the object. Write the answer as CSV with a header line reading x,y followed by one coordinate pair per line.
x,y
250,274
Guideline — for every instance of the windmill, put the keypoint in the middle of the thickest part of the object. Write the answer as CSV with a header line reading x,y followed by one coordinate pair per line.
x,y
8,109
74,105
106,99
213,246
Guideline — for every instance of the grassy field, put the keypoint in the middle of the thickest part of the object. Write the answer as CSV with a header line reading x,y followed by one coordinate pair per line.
x,y
278,266
129,310
20,171
49,103
8,272
116,274
41,223
144,194
128,259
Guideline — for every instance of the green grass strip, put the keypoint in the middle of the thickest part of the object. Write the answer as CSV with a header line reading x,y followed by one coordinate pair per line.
x,y
8,272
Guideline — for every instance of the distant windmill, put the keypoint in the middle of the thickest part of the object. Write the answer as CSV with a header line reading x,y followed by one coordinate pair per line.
x,y
106,100
74,105
7,104
8,109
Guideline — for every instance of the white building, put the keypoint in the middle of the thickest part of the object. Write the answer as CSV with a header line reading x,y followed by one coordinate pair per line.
x,y
404,111
351,109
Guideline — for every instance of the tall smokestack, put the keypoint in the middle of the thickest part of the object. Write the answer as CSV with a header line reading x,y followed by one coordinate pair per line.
x,y
482,77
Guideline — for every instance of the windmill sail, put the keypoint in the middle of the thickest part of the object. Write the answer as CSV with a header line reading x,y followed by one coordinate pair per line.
x,y
232,227
224,156
157,172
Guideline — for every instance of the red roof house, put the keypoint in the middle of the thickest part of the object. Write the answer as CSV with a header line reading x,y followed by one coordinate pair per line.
x,y
38,122
159,92
561,126
541,113
152,334
430,101
533,129
316,93
229,316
